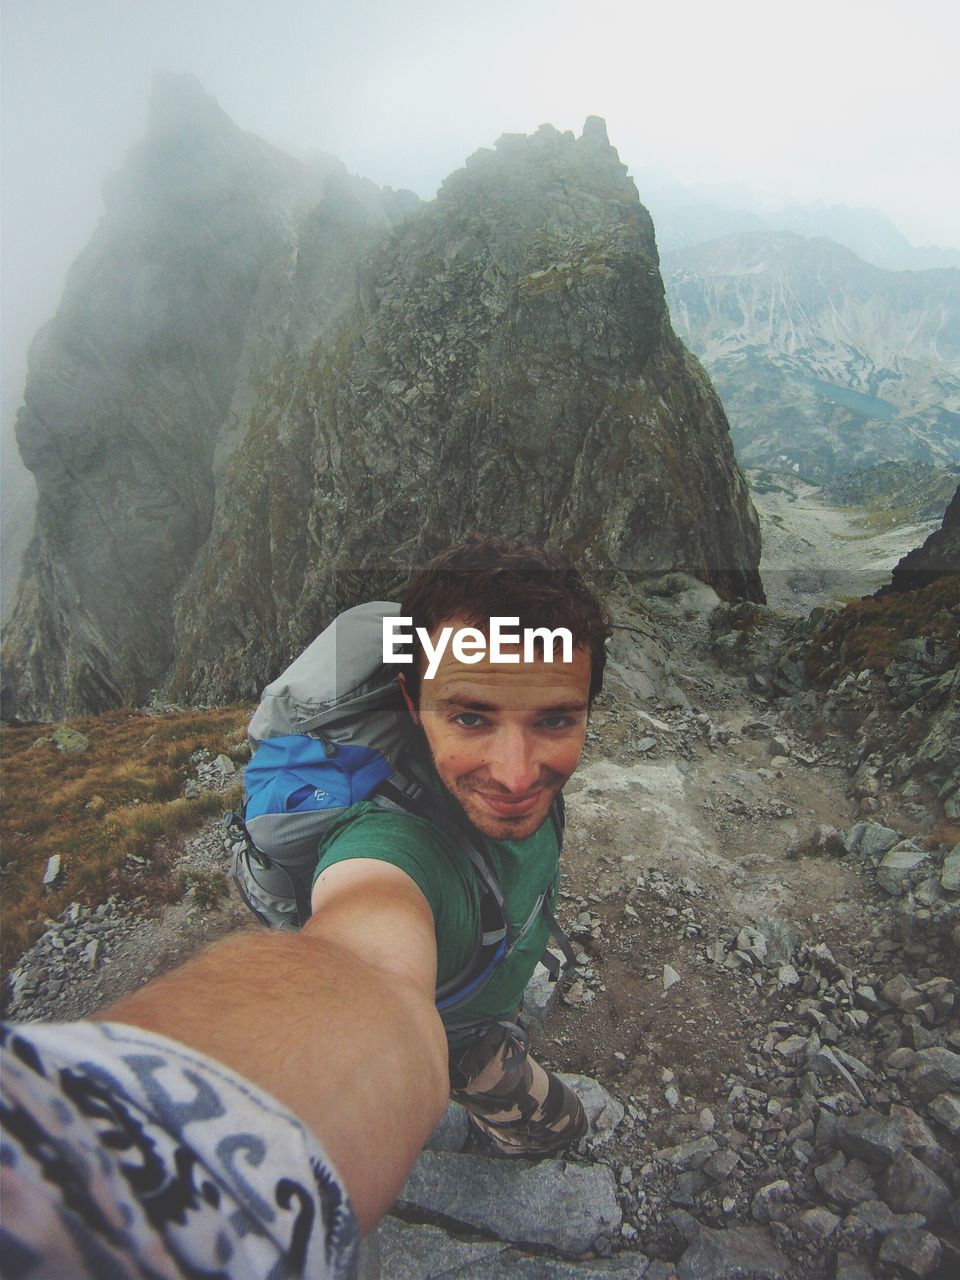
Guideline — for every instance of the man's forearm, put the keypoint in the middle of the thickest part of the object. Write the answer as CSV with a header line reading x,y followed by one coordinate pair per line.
x,y
360,1056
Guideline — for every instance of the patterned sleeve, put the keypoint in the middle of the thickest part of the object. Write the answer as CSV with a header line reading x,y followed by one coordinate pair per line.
x,y
125,1154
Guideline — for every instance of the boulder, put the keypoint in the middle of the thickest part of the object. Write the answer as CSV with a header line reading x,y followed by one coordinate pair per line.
x,y
879,1139
845,1185
950,871
411,1252
780,938
881,1219
914,1251
901,992
902,866
908,1186
767,1204
936,1070
540,996
945,1109
688,1155
570,1208
70,741
603,1110
734,1254
630,1266
451,1133
826,840
870,840
52,872
815,1226
851,1268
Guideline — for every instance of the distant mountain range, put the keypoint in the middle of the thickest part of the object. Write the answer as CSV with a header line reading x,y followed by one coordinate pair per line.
x,y
686,216
824,363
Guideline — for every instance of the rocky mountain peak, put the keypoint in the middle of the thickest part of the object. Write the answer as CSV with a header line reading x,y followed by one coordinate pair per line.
x,y
595,131
546,166
193,156
179,105
286,384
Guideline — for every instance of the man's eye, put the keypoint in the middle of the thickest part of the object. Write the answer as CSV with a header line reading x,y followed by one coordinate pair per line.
x,y
557,722
468,719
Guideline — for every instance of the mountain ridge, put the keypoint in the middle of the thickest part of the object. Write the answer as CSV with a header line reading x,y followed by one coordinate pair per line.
x,y
691,215
263,379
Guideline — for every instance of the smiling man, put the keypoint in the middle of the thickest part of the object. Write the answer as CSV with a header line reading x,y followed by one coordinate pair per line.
x,y
504,739
499,733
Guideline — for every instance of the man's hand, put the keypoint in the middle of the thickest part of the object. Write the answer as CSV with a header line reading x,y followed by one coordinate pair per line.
x,y
337,1022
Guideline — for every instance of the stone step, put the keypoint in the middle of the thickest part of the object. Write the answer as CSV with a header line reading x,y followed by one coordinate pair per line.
x,y
411,1252
570,1208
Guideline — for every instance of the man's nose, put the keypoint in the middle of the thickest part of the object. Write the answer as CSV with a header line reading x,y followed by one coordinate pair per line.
x,y
514,763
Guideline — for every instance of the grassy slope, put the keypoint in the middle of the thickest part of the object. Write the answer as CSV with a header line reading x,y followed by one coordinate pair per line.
x,y
120,797
865,635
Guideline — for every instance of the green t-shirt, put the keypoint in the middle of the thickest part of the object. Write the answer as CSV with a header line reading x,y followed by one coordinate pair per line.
x,y
435,860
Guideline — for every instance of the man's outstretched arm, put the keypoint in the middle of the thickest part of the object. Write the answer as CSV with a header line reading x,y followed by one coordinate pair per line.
x,y
327,1021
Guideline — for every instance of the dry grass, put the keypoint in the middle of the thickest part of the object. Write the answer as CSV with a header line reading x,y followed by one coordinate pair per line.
x,y
865,635
945,832
879,519
120,798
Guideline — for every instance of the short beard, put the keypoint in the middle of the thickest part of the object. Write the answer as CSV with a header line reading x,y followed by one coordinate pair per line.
x,y
489,824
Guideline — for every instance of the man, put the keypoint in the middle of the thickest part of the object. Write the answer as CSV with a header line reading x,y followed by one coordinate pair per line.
x,y
499,735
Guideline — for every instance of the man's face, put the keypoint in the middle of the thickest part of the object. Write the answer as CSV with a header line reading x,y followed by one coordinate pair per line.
x,y
505,737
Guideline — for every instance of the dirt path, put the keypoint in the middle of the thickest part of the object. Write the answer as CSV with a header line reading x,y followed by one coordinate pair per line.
x,y
682,847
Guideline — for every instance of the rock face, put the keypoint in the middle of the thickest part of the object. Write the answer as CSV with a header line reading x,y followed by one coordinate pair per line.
x,y
255,389
824,363
511,368
939,555
218,258
568,1207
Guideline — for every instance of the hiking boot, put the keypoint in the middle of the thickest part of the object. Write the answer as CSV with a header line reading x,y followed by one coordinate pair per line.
x,y
502,1144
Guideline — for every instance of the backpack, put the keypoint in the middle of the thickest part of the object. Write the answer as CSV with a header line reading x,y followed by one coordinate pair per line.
x,y
330,731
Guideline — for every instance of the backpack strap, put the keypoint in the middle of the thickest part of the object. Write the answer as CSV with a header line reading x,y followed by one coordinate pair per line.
x,y
416,799
558,816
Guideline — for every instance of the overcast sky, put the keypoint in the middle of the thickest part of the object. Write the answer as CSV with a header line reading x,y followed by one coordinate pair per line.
x,y
841,101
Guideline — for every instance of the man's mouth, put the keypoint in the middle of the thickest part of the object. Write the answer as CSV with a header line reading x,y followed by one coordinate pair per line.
x,y
508,806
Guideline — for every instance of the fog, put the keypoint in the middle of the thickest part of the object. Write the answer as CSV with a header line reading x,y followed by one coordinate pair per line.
x,y
852,103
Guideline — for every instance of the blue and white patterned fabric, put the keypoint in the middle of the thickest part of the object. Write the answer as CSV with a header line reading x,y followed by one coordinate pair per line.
x,y
125,1154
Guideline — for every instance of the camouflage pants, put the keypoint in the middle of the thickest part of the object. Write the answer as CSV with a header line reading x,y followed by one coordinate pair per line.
x,y
517,1107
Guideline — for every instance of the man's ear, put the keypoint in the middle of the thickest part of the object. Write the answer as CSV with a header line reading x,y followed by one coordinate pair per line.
x,y
414,713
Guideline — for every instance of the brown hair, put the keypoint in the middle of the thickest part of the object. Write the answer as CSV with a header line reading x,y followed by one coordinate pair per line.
x,y
482,578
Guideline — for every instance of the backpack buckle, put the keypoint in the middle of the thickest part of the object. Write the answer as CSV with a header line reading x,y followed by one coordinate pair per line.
x,y
235,832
